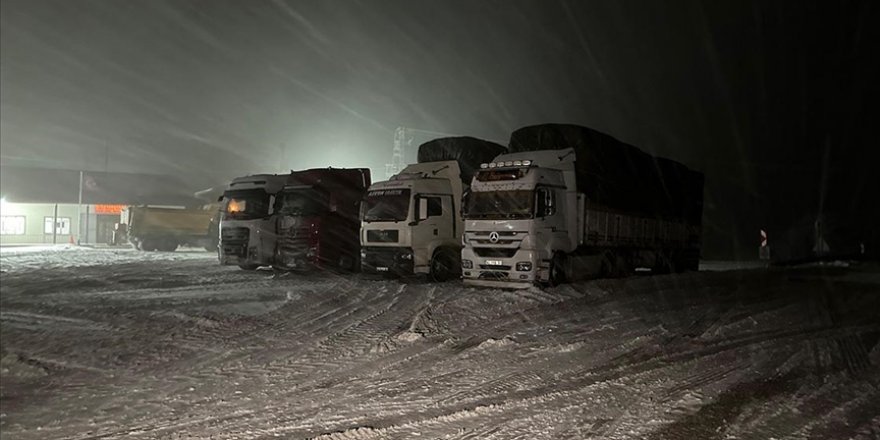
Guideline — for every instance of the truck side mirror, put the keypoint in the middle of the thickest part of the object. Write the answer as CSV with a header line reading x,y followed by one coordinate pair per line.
x,y
423,209
540,203
465,198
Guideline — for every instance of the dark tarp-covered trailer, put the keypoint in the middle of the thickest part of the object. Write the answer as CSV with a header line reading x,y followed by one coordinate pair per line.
x,y
468,151
619,175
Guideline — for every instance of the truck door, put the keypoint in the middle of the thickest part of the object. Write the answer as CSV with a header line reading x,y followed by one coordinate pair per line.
x,y
436,220
550,218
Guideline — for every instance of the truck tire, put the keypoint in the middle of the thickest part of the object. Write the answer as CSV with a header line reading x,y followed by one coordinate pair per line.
x,y
348,263
665,263
557,274
443,265
249,266
148,245
168,245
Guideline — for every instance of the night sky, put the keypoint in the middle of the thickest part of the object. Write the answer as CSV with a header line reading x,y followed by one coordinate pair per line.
x,y
776,102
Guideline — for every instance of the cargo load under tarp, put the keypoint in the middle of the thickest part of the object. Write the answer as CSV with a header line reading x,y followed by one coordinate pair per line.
x,y
619,175
469,152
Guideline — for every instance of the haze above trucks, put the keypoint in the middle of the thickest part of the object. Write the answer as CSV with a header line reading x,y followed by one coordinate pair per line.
x,y
411,224
570,197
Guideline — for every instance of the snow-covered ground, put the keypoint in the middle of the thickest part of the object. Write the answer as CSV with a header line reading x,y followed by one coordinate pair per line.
x,y
123,344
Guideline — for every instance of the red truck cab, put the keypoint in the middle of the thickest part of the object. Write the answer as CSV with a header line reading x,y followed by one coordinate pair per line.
x,y
318,219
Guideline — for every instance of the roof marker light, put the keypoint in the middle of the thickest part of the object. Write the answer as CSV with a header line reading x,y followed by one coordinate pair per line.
x,y
509,163
484,166
527,162
517,163
492,165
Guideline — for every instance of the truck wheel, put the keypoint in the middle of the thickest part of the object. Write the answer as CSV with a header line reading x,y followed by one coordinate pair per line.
x,y
168,246
557,270
347,263
249,266
148,244
443,265
664,264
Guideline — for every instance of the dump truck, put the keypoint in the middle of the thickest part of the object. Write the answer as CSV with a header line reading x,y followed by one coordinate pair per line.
x,y
247,225
411,223
316,219
152,228
568,199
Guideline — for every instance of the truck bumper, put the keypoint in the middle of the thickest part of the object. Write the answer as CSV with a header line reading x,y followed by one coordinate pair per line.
x,y
238,248
500,272
396,261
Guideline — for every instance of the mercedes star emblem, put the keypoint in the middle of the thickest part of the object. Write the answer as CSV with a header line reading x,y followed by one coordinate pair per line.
x,y
493,237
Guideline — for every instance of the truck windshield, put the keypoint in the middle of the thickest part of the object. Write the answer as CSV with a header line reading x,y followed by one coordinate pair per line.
x,y
387,205
245,204
500,205
305,202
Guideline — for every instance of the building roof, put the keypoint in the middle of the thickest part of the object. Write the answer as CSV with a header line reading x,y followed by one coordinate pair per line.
x,y
42,185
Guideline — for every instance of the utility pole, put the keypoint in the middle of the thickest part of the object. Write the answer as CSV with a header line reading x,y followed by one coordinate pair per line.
x,y
55,226
403,138
79,219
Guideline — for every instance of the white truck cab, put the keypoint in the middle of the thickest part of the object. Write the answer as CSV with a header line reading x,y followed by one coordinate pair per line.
x,y
521,220
411,224
247,225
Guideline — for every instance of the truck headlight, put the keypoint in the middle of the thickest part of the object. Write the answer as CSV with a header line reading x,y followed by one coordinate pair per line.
x,y
406,255
467,264
524,266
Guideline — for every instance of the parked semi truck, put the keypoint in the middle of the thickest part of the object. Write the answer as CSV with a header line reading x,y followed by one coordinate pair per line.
x,y
411,224
247,225
568,199
151,228
316,219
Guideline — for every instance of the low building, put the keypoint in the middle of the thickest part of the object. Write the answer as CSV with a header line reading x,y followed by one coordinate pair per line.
x,y
35,199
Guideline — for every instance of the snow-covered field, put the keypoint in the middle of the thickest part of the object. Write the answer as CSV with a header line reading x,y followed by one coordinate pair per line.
x,y
121,344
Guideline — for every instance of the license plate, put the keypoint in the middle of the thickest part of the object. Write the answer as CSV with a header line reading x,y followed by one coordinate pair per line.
x,y
382,269
494,262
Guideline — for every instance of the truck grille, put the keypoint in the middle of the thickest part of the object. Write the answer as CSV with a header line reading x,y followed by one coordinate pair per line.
x,y
495,252
494,266
234,241
493,276
382,236
505,238
294,239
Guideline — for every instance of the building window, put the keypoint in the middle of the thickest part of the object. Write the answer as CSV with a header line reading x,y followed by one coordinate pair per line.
x,y
12,225
62,226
